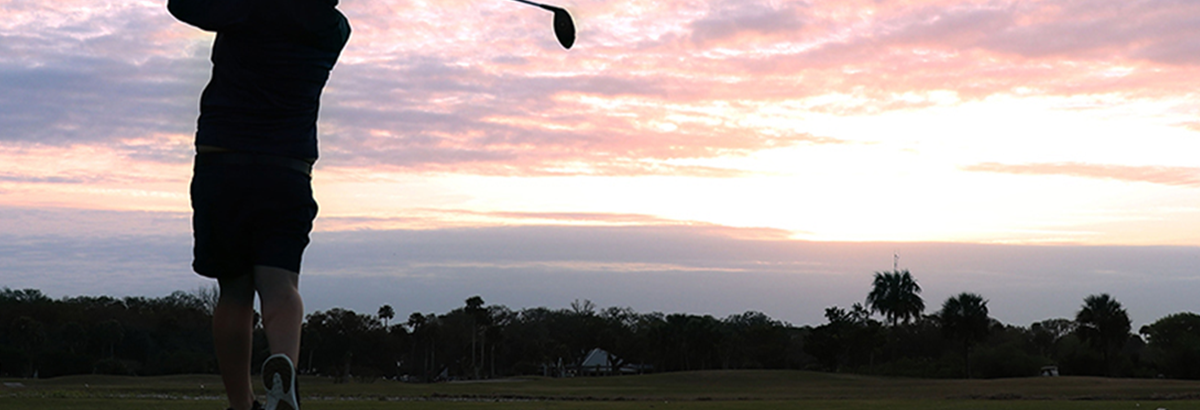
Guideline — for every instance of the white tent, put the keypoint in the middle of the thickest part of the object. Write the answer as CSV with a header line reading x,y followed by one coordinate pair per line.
x,y
599,361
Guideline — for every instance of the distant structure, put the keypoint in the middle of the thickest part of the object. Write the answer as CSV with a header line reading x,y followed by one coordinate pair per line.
x,y
600,363
1049,371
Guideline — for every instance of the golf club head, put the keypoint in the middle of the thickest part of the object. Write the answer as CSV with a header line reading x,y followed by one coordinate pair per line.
x,y
564,28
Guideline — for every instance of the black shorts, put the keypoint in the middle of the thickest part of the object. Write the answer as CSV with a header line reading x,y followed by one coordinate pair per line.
x,y
248,213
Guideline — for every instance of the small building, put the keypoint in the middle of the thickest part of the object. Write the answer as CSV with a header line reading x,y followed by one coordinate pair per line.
x,y
599,362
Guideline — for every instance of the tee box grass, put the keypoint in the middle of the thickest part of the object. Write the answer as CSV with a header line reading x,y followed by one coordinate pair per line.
x,y
711,390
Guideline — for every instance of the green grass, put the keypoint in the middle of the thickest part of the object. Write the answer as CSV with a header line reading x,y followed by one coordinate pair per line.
x,y
145,404
715,390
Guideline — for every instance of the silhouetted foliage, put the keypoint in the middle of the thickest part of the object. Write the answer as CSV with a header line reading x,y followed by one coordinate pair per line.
x,y
1007,351
848,341
386,314
343,343
962,336
965,318
1104,324
42,337
1174,345
897,296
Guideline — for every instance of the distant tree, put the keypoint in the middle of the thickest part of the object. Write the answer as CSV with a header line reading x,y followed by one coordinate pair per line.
x,y
689,342
109,333
74,337
755,341
583,307
415,320
499,317
532,345
27,296
30,335
208,295
619,336
425,329
896,295
386,313
965,318
1047,333
1104,324
849,339
1174,342
348,340
480,321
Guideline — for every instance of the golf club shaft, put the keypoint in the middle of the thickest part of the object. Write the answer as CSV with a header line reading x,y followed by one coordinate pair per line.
x,y
564,26
551,8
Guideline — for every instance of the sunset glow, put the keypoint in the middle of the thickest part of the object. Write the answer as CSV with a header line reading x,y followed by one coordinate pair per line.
x,y
960,121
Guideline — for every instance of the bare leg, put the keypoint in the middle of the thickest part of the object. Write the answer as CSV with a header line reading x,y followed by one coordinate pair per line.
x,y
282,309
233,321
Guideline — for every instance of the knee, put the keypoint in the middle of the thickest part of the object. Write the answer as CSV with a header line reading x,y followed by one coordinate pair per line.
x,y
276,285
282,297
236,293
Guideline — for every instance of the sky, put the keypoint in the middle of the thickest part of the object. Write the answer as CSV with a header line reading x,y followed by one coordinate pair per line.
x,y
711,156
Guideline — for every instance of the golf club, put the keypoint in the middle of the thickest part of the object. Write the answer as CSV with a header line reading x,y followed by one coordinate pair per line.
x,y
564,27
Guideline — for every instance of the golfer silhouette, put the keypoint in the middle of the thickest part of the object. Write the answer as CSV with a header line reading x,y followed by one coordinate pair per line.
x,y
251,190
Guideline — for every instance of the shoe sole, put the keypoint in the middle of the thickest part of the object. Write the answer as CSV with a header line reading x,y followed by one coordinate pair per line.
x,y
281,368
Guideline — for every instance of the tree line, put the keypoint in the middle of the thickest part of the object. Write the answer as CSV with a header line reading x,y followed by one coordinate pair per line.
x,y
44,337
962,340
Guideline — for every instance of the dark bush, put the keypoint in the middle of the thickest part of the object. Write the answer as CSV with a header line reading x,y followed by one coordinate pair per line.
x,y
113,367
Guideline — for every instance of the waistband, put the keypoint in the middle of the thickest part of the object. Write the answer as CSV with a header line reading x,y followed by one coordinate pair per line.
x,y
250,158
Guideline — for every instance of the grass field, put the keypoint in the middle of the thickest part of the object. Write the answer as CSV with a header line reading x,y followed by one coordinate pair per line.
x,y
717,390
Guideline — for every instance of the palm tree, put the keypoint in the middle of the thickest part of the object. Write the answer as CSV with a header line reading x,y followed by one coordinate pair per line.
x,y
896,295
965,318
479,320
425,333
386,313
1104,324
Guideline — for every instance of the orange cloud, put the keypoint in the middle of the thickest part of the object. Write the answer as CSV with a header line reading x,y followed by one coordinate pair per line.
x,y
1175,176
425,219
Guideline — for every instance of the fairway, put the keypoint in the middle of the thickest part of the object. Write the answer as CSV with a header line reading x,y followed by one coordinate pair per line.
x,y
144,404
714,390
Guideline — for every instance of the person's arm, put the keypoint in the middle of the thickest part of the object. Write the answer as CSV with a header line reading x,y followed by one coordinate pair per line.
x,y
317,21
211,15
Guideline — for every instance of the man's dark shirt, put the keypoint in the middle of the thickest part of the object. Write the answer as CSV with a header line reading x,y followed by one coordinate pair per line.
x,y
271,60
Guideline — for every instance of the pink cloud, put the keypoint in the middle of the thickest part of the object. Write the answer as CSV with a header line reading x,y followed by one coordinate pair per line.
x,y
504,124
1041,28
732,19
1142,49
466,87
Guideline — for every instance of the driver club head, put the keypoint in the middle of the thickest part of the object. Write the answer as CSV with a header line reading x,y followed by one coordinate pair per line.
x,y
564,28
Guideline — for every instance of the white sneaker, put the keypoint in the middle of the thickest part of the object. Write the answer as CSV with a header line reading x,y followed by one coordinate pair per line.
x,y
279,377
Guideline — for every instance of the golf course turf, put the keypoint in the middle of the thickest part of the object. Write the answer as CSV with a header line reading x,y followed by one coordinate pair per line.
x,y
711,390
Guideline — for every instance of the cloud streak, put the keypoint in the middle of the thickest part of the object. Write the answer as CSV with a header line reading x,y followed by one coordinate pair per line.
x,y
79,72
1188,177
666,268
489,124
